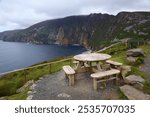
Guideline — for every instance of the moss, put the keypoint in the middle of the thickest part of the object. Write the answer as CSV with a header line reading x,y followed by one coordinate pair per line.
x,y
146,87
121,95
137,71
146,49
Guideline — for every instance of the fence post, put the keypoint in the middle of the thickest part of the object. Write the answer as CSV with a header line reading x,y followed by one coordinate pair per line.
x,y
25,76
70,62
50,68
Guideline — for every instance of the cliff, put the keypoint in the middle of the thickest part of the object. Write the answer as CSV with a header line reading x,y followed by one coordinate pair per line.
x,y
89,30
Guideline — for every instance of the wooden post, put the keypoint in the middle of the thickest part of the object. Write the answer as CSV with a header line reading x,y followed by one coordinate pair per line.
x,y
50,68
70,61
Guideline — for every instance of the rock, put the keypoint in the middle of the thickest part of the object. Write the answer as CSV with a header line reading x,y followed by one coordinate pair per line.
x,y
133,79
132,59
64,95
133,94
25,86
29,92
138,86
2,98
125,70
32,87
135,52
29,97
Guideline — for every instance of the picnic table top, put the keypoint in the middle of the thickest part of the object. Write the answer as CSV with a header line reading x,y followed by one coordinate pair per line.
x,y
91,57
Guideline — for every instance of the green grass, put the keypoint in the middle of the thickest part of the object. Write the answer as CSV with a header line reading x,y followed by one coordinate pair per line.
x,y
19,96
146,87
11,82
146,49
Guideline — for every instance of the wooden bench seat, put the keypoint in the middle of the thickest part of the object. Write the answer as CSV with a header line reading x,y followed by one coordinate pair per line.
x,y
114,64
104,76
70,73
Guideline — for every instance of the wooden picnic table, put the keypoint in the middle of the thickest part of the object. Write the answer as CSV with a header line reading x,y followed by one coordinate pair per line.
x,y
89,58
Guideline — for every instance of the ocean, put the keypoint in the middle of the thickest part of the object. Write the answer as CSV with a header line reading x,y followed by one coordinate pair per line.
x,y
15,55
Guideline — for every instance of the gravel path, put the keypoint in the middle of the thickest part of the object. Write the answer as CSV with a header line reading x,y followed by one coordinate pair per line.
x,y
55,87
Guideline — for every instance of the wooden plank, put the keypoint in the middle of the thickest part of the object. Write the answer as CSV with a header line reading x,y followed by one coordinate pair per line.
x,y
105,73
114,63
68,69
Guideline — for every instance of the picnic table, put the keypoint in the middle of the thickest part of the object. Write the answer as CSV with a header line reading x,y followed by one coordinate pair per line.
x,y
85,60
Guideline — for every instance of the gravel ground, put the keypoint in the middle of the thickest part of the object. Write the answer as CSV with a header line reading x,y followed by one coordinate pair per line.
x,y
55,87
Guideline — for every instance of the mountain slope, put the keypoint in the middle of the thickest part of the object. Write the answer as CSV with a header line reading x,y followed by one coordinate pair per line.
x,y
89,30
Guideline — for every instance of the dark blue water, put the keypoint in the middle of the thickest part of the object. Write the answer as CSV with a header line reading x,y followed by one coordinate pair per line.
x,y
15,55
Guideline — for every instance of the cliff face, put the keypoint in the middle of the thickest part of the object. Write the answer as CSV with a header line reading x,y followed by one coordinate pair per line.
x,y
89,31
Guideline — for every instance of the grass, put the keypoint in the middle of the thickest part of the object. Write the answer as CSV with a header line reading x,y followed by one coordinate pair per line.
x,y
119,55
11,82
146,87
146,49
19,96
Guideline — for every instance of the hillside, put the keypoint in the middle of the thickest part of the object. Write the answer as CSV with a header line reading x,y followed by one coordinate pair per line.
x,y
91,31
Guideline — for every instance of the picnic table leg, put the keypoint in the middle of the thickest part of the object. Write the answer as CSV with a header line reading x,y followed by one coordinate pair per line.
x,y
98,66
94,84
117,79
71,80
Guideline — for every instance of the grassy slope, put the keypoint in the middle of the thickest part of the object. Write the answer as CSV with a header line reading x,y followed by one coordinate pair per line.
x,y
11,82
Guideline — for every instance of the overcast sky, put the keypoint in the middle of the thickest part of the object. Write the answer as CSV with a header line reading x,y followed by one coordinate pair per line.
x,y
16,14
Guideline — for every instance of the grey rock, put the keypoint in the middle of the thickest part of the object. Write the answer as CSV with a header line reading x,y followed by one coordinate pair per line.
x,y
29,92
64,95
125,70
135,52
32,87
30,82
2,98
132,59
133,94
29,97
133,79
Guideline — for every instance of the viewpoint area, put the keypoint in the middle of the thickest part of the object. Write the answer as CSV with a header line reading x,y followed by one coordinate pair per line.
x,y
50,54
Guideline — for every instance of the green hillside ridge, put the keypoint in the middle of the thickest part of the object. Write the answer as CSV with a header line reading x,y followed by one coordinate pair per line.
x,y
93,31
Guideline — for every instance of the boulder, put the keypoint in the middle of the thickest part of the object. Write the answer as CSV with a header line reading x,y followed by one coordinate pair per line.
x,y
135,52
133,94
132,59
125,70
133,79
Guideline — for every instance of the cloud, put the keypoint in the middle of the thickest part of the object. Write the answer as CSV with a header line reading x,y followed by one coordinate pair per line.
x,y
24,13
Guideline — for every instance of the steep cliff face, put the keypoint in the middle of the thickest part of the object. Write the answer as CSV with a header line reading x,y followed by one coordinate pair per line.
x,y
89,31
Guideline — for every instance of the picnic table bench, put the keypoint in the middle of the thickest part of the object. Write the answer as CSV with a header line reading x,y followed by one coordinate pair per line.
x,y
114,64
70,73
102,77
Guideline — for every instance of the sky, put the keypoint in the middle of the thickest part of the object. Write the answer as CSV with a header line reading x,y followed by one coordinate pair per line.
x,y
20,14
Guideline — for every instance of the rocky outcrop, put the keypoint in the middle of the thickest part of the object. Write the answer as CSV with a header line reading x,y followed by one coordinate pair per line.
x,y
135,52
88,30
133,79
133,94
